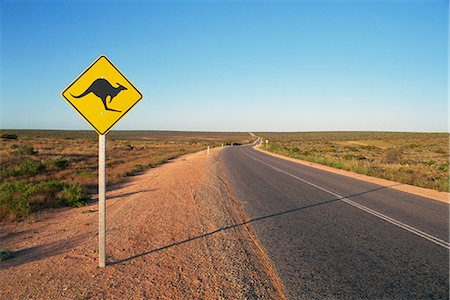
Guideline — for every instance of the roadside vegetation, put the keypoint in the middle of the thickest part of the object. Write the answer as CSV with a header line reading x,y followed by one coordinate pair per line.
x,y
51,169
420,159
6,254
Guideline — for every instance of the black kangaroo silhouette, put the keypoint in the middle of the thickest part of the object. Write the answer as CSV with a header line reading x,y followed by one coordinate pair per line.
x,y
102,89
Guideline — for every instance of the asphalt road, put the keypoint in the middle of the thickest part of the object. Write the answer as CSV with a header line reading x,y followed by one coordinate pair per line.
x,y
330,236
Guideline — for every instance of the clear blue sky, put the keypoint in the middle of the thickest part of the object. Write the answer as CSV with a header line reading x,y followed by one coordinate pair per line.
x,y
233,65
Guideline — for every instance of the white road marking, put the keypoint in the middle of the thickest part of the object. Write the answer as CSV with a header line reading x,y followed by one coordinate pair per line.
x,y
402,225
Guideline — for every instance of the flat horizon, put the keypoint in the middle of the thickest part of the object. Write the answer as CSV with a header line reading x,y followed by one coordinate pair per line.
x,y
208,131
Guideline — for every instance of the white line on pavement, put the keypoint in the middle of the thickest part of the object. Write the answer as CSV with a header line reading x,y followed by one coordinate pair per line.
x,y
402,225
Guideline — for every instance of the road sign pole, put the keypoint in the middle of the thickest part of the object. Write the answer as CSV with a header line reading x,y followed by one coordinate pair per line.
x,y
101,200
100,80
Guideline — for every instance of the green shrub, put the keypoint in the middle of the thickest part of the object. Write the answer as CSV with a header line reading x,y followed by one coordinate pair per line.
x,y
430,162
5,254
22,149
139,168
7,172
14,201
27,167
30,167
44,194
18,200
73,195
61,163
85,172
8,136
444,167
330,149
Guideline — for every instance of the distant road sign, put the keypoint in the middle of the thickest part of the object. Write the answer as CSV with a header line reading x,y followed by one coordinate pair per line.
x,y
102,95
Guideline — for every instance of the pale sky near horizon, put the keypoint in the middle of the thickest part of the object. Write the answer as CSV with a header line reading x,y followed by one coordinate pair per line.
x,y
233,65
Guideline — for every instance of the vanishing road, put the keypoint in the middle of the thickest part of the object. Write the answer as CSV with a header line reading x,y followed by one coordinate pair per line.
x,y
330,236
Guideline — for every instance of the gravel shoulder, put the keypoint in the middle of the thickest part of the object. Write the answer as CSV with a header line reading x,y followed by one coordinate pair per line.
x,y
176,231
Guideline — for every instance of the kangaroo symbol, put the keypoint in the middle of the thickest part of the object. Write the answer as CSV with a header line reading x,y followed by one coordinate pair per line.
x,y
102,89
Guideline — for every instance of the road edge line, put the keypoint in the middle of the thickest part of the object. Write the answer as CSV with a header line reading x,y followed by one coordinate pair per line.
x,y
375,213
403,187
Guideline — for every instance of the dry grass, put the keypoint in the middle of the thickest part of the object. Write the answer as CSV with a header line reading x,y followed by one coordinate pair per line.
x,y
71,158
420,159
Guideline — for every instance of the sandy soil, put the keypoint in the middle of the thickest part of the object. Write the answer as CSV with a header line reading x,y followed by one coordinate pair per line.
x,y
427,193
174,232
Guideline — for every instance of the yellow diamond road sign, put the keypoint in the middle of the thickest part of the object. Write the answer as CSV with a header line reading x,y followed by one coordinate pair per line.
x,y
102,95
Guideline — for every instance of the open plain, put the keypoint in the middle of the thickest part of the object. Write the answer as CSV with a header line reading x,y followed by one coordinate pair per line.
x,y
420,159
48,169
235,224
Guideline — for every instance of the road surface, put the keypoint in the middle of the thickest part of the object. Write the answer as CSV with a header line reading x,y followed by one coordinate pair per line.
x,y
331,236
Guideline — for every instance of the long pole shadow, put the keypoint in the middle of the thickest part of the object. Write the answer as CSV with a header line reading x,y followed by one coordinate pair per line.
x,y
249,222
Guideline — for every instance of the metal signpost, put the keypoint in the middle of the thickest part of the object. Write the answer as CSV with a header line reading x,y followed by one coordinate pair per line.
x,y
91,94
101,200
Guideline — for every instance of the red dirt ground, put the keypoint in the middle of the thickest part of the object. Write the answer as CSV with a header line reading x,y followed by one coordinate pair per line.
x,y
168,237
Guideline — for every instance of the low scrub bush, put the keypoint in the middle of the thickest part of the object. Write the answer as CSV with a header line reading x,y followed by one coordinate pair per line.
x,y
139,168
61,163
14,201
18,200
73,195
8,136
27,167
391,156
85,173
42,194
6,254
30,167
21,149
440,151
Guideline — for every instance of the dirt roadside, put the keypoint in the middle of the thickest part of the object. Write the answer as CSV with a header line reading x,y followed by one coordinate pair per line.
x,y
427,193
174,232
